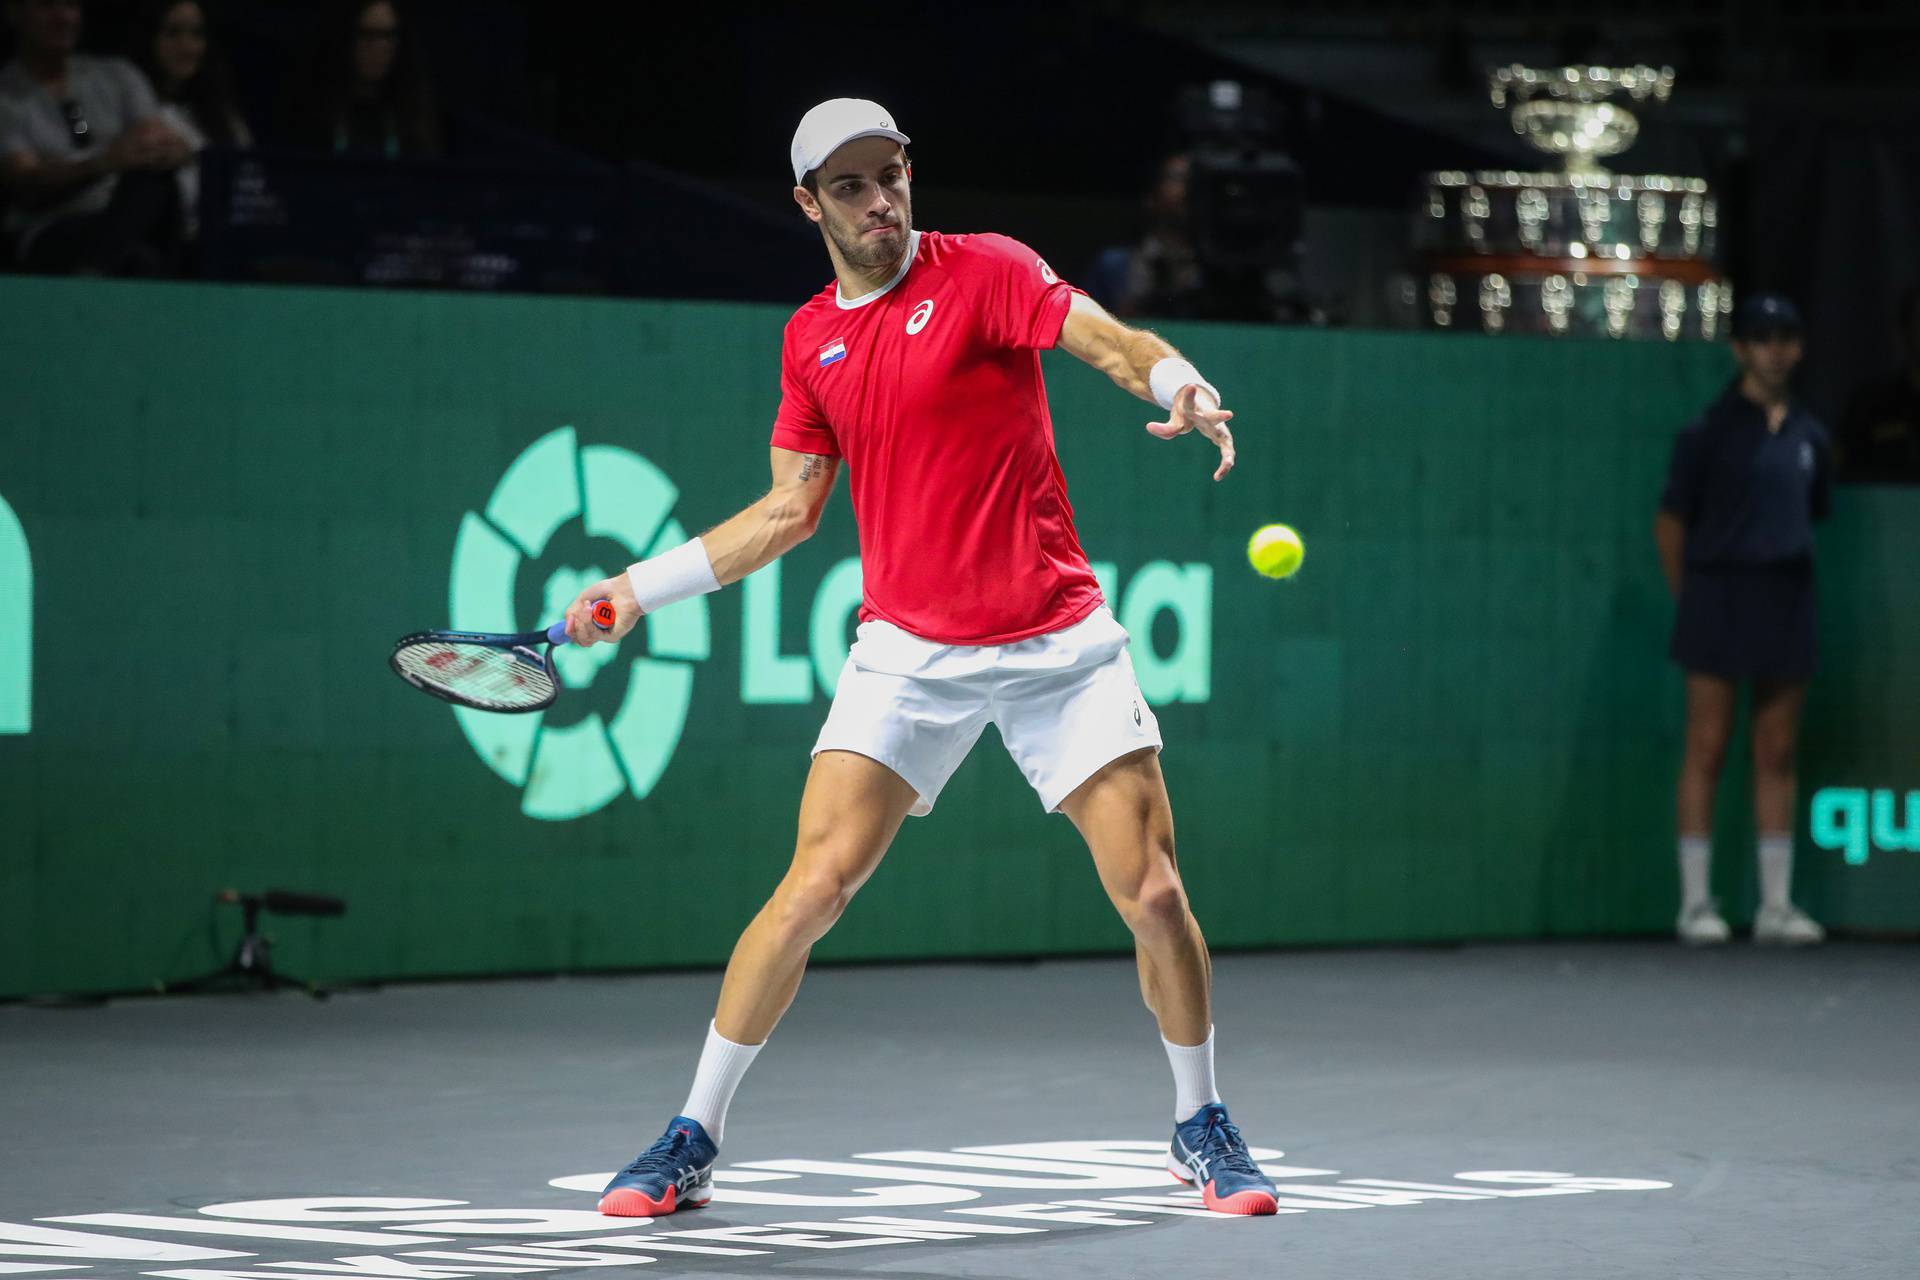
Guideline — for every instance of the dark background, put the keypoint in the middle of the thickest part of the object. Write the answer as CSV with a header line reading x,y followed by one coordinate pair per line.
x,y
1048,121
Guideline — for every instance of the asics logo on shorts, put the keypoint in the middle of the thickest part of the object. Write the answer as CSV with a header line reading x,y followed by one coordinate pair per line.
x,y
921,314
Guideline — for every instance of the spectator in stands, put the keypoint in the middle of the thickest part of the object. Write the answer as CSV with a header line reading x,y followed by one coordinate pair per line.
x,y
85,154
1880,431
370,94
195,87
1161,274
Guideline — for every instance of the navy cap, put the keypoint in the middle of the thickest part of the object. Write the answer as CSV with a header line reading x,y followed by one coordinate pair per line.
x,y
1767,315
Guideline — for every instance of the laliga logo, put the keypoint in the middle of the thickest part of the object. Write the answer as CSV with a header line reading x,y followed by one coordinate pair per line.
x,y
16,625
573,770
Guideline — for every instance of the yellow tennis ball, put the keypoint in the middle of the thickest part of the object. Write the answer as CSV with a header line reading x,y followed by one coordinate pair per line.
x,y
1275,551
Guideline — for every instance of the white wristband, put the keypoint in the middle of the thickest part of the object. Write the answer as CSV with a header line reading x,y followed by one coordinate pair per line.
x,y
672,576
1173,373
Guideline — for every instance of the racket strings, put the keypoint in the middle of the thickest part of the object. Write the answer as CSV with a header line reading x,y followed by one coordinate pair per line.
x,y
478,675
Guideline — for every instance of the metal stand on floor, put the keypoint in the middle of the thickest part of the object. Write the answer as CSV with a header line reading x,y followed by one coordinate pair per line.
x,y
251,968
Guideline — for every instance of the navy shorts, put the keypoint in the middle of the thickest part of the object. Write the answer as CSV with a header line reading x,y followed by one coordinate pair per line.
x,y
1747,622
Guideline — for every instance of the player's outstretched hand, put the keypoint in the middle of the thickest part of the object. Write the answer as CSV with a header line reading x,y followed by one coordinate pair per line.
x,y
580,625
1194,410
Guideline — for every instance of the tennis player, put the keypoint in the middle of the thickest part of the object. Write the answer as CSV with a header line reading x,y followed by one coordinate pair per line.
x,y
918,372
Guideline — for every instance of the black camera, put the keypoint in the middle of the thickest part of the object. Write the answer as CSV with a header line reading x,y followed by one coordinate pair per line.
x,y
1245,201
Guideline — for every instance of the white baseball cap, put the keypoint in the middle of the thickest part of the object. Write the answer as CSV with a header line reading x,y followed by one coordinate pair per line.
x,y
833,124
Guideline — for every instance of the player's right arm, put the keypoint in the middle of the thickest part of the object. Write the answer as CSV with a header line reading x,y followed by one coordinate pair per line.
x,y
778,522
781,520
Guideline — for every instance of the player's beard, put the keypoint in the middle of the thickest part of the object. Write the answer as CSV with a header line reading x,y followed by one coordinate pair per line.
x,y
871,253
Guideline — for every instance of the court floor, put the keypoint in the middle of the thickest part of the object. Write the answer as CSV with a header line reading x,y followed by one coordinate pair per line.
x,y
1573,1110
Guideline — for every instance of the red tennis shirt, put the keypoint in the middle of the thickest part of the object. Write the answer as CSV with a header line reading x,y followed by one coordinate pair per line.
x,y
930,388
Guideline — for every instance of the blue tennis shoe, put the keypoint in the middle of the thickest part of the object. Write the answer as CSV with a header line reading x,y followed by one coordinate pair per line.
x,y
1208,1152
674,1173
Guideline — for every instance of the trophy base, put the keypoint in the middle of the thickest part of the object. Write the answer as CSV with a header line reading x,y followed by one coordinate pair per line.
x,y
1595,215
1562,297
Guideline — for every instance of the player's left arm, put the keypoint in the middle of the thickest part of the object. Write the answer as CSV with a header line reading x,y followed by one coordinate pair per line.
x,y
1145,364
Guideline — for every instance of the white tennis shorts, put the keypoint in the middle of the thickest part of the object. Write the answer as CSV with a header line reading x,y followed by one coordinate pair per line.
x,y
1066,704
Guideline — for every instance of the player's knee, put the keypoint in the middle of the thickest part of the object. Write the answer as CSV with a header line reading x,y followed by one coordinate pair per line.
x,y
810,901
1160,909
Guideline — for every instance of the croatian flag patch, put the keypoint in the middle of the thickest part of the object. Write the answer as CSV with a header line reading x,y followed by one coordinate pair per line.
x,y
835,350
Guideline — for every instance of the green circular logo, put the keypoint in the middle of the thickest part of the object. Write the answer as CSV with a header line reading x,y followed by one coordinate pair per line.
x,y
572,770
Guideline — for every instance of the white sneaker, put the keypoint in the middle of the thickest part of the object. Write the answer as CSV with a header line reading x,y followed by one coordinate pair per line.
x,y
1786,926
1701,926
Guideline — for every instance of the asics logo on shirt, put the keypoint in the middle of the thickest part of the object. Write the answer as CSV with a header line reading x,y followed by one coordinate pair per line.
x,y
1046,272
921,314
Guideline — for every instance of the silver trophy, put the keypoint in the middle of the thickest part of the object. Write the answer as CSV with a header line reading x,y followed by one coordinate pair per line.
x,y
1575,112
1577,249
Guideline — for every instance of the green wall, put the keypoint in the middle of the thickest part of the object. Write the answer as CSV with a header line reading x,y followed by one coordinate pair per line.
x,y
1458,721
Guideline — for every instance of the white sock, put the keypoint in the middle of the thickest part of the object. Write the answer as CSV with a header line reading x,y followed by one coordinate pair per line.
x,y
1776,869
1696,856
1192,1076
722,1066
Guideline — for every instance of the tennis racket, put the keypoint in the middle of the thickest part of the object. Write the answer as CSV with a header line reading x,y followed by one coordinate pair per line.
x,y
487,671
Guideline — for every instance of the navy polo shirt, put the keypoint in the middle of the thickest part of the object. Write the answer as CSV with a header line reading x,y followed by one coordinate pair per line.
x,y
1749,496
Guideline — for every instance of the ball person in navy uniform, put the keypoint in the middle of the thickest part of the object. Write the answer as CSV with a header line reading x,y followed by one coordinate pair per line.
x,y
1735,530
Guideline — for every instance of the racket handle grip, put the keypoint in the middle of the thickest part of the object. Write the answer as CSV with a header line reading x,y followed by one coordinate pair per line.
x,y
557,633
